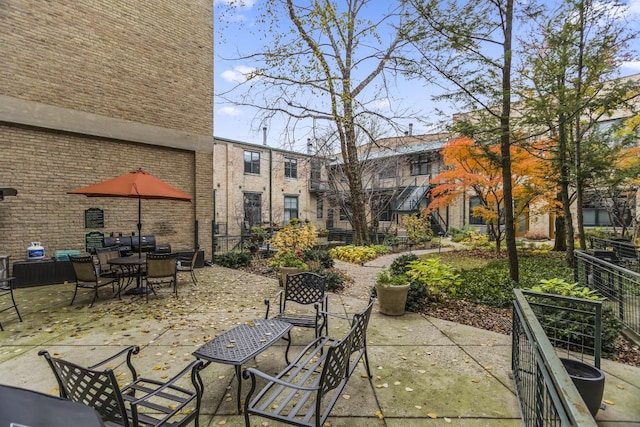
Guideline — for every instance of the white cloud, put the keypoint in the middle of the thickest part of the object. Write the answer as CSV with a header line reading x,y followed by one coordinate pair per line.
x,y
631,65
381,104
634,7
229,111
237,75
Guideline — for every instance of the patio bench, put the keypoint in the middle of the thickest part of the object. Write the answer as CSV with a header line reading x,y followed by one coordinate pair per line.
x,y
305,392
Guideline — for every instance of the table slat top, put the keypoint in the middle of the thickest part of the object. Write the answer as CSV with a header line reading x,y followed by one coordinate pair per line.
x,y
243,342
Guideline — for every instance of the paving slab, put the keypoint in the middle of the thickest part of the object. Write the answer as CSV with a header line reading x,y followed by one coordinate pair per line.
x,y
426,371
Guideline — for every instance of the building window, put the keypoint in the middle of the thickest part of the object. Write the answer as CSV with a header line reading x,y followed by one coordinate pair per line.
x,y
252,210
290,208
252,162
290,167
381,207
605,211
474,201
388,171
345,212
319,209
316,170
421,164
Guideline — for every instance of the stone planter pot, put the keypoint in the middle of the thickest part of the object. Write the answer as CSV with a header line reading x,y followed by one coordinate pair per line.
x,y
288,270
589,381
392,299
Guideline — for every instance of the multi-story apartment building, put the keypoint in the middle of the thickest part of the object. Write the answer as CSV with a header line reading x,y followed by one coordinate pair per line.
x,y
259,185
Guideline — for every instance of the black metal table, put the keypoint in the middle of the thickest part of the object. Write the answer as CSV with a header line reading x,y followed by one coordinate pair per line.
x,y
242,343
133,264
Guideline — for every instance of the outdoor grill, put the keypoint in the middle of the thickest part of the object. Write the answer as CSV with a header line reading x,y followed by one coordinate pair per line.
x,y
123,242
147,243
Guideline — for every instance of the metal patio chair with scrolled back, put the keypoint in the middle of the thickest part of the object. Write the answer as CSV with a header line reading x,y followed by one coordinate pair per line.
x,y
302,290
142,402
87,277
161,269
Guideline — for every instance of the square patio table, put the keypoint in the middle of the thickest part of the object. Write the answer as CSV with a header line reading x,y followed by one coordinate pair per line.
x,y
242,343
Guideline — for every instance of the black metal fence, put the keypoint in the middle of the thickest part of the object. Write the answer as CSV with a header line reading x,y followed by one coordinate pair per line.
x,y
546,393
619,285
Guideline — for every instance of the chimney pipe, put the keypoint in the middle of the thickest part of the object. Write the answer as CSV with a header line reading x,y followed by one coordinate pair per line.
x,y
410,129
264,135
309,146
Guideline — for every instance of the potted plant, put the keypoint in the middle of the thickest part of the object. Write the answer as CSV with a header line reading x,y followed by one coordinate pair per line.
x,y
323,236
419,229
391,239
391,291
287,263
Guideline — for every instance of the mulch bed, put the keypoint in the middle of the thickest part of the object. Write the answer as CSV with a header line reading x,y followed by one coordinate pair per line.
x,y
499,320
476,315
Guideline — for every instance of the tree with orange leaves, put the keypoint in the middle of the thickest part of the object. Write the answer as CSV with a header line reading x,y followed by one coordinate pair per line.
x,y
475,168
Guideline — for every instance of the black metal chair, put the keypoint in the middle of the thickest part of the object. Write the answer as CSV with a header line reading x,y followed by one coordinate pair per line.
x,y
302,289
107,270
360,323
161,269
87,278
304,393
187,264
143,402
6,290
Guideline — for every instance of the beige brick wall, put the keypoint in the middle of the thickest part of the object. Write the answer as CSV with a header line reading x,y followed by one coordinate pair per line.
x,y
44,212
94,89
147,61
231,183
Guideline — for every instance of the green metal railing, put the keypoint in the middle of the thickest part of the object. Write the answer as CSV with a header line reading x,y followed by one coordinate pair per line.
x,y
619,285
546,393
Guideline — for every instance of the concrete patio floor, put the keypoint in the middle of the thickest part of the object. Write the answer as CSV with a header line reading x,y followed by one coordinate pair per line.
x,y
426,371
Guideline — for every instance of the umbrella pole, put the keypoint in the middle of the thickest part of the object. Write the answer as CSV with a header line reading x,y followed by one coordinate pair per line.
x,y
139,227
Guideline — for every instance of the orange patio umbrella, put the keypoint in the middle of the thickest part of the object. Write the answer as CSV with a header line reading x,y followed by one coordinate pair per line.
x,y
136,185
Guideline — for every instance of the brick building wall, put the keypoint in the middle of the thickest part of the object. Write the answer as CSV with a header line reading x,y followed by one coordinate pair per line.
x,y
231,182
94,89
146,61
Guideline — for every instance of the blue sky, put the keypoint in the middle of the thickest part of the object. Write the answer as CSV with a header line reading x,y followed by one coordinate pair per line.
x,y
238,123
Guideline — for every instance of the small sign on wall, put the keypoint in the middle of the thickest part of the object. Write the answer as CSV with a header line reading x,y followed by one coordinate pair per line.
x,y
94,218
92,240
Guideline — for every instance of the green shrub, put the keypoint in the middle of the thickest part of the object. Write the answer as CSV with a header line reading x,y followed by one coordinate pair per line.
x,y
438,279
233,259
381,249
320,255
400,264
416,298
491,285
334,283
567,326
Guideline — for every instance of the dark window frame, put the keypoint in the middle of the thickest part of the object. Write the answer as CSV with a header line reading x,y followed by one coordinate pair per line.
x,y
288,211
475,220
291,167
421,164
252,162
252,208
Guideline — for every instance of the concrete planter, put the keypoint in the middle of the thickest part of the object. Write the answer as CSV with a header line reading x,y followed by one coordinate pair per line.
x,y
392,299
288,270
589,381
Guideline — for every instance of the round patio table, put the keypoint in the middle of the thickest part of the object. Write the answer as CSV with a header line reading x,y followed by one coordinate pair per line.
x,y
133,266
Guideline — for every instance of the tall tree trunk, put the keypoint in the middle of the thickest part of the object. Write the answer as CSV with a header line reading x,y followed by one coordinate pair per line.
x,y
564,190
354,176
505,147
577,137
